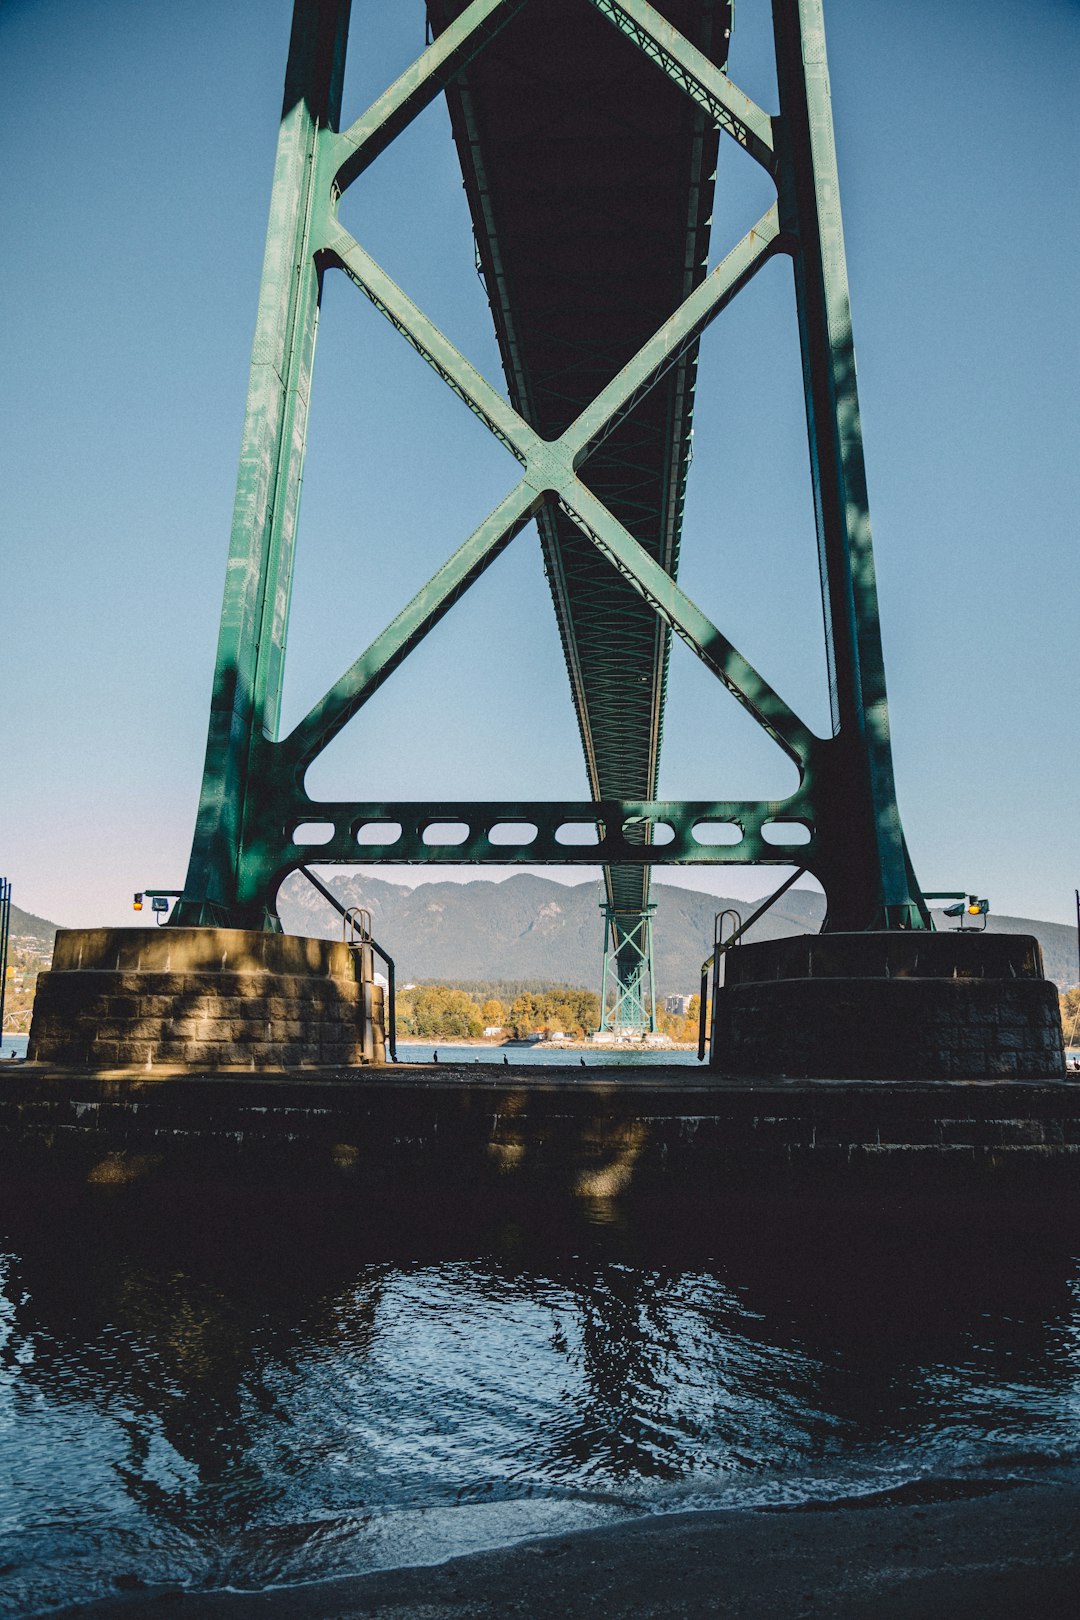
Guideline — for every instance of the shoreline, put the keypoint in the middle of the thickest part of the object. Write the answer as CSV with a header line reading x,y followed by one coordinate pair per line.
x,y
544,1046
970,1549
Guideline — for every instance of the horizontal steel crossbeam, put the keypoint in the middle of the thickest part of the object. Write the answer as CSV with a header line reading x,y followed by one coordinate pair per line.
x,y
587,832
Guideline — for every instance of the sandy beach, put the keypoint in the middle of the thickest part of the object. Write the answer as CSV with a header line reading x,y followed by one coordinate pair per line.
x,y
999,1551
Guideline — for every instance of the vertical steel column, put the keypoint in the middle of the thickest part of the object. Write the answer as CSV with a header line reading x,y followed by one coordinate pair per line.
x,y
868,876
251,646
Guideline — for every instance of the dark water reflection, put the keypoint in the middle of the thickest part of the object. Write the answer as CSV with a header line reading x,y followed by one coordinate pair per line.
x,y
246,1387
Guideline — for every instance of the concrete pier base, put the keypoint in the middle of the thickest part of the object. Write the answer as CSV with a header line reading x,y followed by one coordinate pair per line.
x,y
889,1006
178,999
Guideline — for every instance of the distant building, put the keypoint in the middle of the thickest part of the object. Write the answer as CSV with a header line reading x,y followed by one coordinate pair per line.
x,y
493,1029
677,1004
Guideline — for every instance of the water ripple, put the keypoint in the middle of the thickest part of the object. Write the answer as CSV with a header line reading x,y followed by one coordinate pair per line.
x,y
260,1401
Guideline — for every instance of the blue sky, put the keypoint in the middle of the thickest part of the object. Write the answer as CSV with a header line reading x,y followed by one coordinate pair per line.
x,y
139,143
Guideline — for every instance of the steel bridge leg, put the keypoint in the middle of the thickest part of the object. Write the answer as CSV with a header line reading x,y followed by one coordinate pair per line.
x,y
249,671
863,862
628,973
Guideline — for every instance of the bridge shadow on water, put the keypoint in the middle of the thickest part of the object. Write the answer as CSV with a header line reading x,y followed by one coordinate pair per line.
x,y
246,1385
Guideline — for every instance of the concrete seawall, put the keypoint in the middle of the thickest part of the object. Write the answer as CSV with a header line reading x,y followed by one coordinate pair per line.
x,y
623,1137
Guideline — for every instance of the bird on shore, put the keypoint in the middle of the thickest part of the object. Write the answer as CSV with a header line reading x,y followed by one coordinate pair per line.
x,y
506,1061
582,1062
435,1057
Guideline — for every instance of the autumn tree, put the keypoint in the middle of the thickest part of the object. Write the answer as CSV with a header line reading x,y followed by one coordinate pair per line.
x,y
435,1012
442,1014
1070,1014
575,1012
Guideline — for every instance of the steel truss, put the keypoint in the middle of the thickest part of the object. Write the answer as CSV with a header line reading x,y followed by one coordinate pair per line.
x,y
253,795
628,985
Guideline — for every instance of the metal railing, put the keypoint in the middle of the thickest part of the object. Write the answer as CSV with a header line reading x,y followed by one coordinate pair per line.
x,y
5,931
711,965
712,962
356,933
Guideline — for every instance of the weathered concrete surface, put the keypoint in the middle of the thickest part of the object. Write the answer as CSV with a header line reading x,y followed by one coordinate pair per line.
x,y
184,998
889,1006
438,1129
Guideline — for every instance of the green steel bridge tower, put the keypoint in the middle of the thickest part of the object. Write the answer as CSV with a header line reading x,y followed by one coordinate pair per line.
x,y
587,132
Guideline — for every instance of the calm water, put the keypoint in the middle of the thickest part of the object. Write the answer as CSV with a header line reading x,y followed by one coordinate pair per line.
x,y
423,1052
244,1387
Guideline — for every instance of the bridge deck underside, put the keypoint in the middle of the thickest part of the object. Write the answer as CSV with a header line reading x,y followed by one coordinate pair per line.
x,y
590,180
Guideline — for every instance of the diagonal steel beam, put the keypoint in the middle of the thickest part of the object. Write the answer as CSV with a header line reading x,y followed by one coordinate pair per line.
x,y
671,341
725,103
554,461
550,467
363,677
673,605
359,145
424,336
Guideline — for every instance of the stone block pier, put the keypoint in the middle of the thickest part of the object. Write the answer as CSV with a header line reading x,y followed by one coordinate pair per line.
x,y
890,1007
216,999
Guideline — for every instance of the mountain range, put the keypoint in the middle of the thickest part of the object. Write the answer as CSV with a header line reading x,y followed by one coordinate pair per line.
x,y
530,927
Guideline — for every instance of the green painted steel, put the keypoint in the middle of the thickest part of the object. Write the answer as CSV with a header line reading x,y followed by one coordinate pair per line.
x,y
582,268
628,984
598,418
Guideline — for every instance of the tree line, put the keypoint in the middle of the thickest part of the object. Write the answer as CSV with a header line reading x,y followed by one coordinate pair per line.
x,y
438,1012
441,1012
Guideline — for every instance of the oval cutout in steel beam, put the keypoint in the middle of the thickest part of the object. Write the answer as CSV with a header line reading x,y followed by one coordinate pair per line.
x,y
513,832
378,832
579,832
445,832
785,833
662,833
310,833
717,832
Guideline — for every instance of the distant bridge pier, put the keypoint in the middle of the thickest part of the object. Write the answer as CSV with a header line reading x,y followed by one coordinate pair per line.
x,y
628,983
